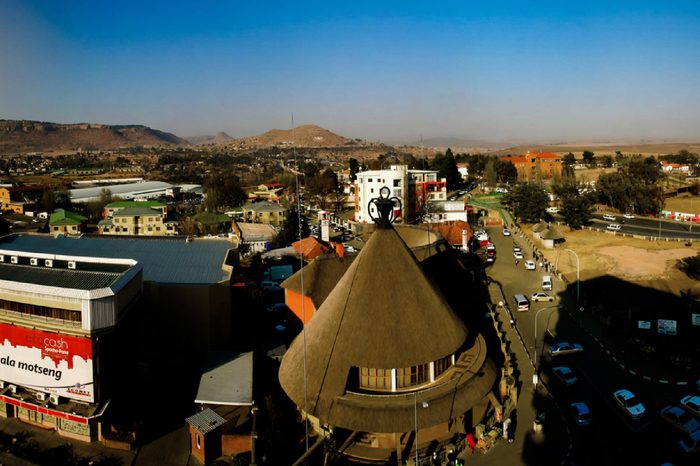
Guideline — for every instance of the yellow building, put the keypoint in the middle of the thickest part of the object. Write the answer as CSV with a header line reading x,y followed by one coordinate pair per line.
x,y
143,221
265,212
19,199
66,222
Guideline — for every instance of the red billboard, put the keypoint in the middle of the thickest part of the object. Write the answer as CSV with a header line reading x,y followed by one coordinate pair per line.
x,y
47,362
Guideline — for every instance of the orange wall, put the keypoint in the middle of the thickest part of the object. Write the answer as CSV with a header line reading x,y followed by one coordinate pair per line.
x,y
294,301
235,444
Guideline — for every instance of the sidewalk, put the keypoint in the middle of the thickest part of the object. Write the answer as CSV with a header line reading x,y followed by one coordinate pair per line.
x,y
550,446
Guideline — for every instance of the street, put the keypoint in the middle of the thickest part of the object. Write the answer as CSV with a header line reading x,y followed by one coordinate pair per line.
x,y
613,437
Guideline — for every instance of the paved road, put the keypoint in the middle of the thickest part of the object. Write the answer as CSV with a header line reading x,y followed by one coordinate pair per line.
x,y
651,227
614,438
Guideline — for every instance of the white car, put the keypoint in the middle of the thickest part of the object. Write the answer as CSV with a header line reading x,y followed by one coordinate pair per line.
x,y
530,265
561,348
490,247
516,248
609,217
541,296
628,215
613,227
506,232
518,255
629,403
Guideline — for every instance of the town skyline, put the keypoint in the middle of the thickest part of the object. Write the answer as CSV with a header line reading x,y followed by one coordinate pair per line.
x,y
397,73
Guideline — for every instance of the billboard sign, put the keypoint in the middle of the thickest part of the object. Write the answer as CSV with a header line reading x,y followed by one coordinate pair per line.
x,y
695,319
644,324
47,362
666,327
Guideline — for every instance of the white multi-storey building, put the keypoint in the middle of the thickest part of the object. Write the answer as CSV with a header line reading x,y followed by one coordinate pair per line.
x,y
412,187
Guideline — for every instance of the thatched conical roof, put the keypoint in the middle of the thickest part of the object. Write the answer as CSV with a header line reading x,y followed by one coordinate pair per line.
x,y
384,313
320,277
540,226
552,233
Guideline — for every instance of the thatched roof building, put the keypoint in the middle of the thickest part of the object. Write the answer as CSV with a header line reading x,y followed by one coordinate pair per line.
x,y
384,339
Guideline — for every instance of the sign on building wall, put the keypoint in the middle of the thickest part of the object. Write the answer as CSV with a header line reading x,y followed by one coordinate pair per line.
x,y
667,327
47,362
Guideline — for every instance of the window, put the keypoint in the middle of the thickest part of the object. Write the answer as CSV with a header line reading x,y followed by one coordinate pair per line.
x,y
397,183
441,365
410,376
199,445
375,379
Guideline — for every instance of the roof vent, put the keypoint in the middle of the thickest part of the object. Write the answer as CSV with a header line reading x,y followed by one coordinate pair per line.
x,y
48,262
33,261
13,259
71,265
2,258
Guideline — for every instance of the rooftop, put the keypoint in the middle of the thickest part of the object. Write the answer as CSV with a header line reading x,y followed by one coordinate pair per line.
x,y
164,260
227,380
66,217
112,205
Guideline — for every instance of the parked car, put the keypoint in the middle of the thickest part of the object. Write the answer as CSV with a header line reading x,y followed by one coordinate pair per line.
x,y
506,232
691,403
565,375
518,255
628,215
516,248
582,414
690,443
563,347
541,296
490,247
680,419
614,227
629,403
609,217
530,265
269,285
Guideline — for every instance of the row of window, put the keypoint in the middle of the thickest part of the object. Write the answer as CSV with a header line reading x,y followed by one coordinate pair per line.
x,y
42,311
131,219
402,378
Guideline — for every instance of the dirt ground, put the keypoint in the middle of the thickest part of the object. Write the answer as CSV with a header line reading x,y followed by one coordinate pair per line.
x,y
647,263
688,204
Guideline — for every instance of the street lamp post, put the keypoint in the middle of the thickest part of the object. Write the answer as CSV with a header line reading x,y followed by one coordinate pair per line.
x,y
578,275
536,377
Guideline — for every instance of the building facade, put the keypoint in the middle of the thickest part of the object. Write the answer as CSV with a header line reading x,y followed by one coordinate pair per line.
x,y
66,222
56,316
536,165
265,212
19,199
414,188
137,221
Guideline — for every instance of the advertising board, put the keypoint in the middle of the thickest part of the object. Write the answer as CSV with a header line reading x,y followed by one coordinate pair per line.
x,y
666,327
47,362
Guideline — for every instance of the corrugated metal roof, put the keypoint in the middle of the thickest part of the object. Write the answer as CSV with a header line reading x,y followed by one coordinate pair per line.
x,y
205,421
62,278
137,211
227,380
121,190
164,260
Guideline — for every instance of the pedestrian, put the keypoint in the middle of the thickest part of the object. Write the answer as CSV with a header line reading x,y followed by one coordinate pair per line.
x,y
517,261
506,430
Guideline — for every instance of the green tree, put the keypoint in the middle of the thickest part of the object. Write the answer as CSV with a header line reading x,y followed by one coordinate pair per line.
x,y
354,166
321,186
529,201
446,167
567,166
490,174
223,191
295,227
577,203
505,170
588,158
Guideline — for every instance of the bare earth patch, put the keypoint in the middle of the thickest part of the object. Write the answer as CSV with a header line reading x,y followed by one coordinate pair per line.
x,y
640,263
646,263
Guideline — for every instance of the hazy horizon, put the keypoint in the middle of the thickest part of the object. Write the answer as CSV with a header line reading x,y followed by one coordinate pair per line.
x,y
395,71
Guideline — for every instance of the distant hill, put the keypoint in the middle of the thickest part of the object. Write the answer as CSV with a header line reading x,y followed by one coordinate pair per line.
x,y
301,136
33,136
644,147
462,144
220,138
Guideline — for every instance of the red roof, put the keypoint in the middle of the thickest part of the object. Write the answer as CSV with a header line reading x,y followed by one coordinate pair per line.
x,y
312,247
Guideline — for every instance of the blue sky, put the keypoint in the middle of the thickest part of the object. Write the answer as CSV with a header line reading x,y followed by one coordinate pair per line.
x,y
391,71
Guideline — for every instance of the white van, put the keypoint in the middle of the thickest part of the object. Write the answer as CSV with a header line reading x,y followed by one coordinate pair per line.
x,y
546,282
521,302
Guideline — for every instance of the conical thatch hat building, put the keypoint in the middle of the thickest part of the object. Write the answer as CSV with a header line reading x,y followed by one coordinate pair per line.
x,y
382,343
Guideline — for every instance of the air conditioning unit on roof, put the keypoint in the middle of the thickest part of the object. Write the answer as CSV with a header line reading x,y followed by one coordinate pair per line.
x,y
2,258
13,259
71,265
13,388
34,261
48,262
54,399
41,396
